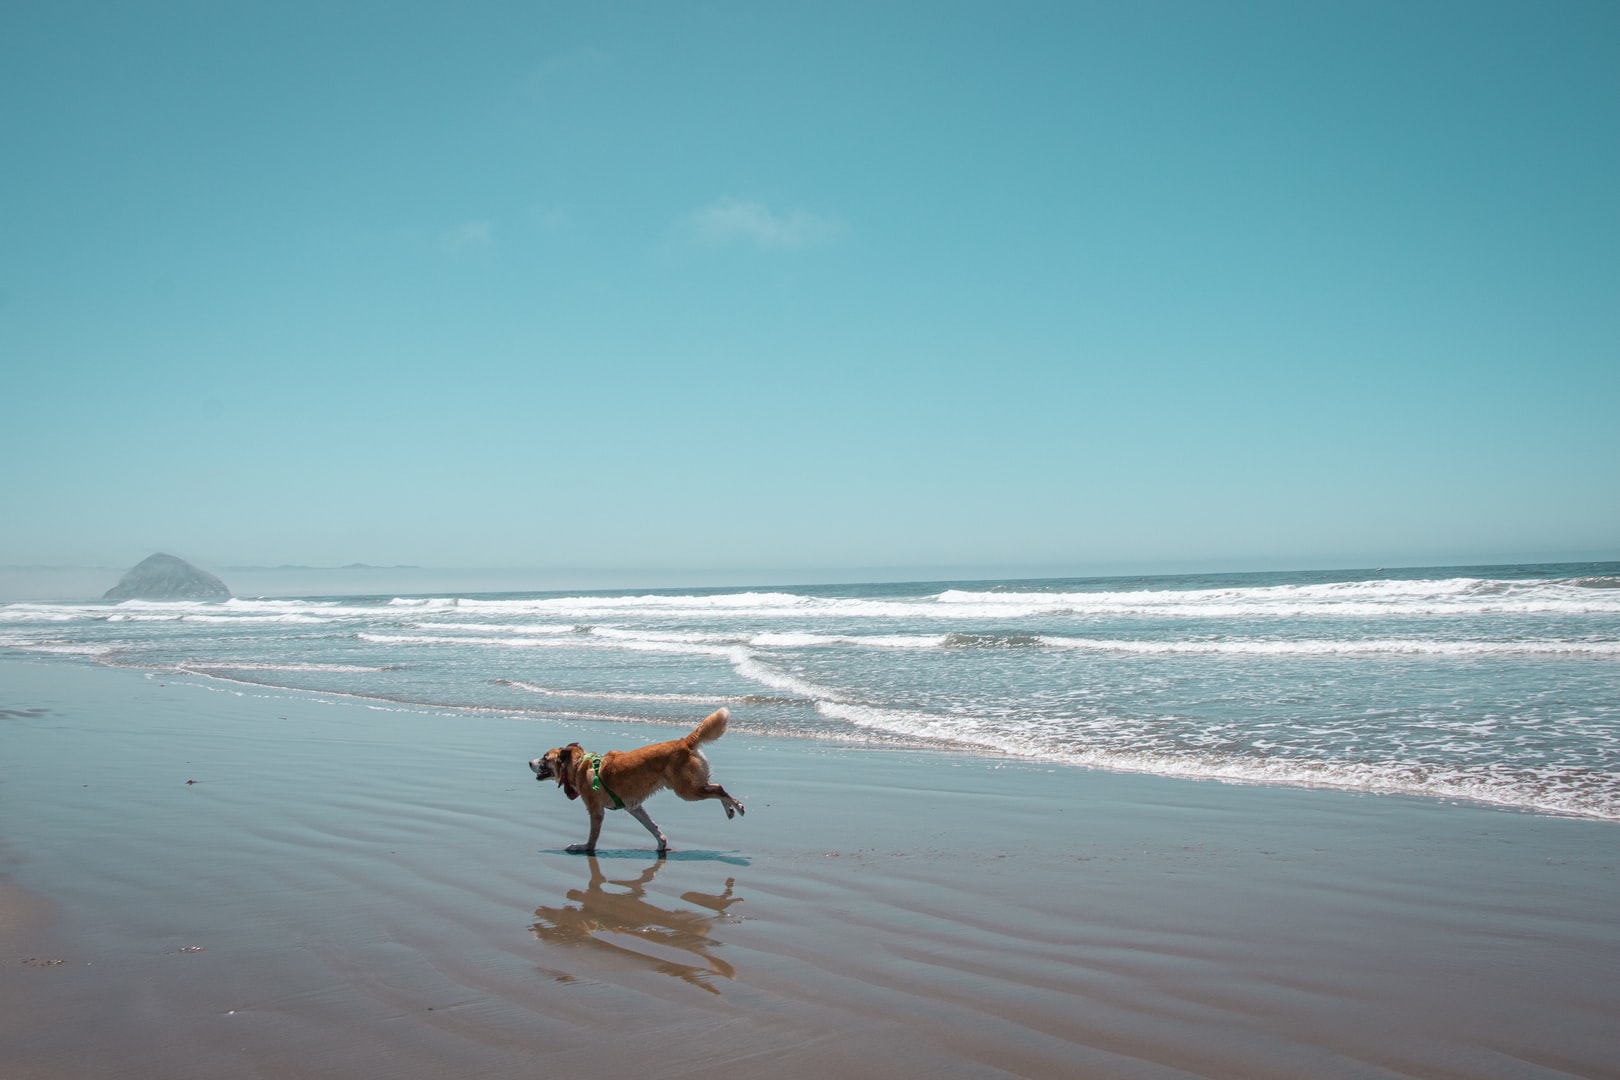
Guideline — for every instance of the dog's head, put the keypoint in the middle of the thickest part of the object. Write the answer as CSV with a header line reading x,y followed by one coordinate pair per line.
x,y
559,765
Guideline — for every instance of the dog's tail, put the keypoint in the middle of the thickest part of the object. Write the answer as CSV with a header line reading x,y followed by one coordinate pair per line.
x,y
712,727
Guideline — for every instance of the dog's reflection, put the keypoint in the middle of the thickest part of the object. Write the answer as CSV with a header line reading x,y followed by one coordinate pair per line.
x,y
616,915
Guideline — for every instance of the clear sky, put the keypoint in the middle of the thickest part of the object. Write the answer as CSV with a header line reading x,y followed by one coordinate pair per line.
x,y
751,290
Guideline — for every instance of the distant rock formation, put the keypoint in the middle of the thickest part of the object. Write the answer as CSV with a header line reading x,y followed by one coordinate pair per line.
x,y
164,577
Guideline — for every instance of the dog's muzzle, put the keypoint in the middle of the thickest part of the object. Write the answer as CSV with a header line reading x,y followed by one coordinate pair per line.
x,y
542,771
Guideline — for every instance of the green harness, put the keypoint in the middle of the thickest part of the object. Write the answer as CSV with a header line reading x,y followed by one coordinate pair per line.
x,y
596,780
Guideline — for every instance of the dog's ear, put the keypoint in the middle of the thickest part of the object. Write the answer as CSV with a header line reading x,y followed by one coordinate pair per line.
x,y
565,762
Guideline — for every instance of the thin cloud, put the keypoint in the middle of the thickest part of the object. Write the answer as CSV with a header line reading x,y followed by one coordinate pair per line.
x,y
557,71
740,221
549,218
468,236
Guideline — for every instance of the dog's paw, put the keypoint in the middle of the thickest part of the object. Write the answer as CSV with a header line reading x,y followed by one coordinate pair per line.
x,y
733,808
580,849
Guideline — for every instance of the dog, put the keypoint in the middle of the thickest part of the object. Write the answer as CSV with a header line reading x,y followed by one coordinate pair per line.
x,y
624,779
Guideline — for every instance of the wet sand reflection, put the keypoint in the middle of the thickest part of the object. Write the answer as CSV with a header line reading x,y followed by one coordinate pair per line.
x,y
615,915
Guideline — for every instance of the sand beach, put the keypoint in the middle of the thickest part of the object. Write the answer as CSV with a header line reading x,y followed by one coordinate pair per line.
x,y
203,880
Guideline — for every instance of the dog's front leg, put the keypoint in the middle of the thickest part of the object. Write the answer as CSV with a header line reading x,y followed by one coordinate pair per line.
x,y
589,846
652,826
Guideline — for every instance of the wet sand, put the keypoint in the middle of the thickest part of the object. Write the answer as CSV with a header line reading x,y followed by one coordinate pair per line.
x,y
352,892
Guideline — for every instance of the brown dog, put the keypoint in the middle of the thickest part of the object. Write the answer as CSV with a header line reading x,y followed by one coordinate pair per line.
x,y
624,779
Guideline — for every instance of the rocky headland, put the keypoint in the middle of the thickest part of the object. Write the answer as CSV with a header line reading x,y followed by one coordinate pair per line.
x,y
165,577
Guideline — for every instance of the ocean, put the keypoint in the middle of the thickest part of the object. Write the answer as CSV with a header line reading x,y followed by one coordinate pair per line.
x,y
1496,684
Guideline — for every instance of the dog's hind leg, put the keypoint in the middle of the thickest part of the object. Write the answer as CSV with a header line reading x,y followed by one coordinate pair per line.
x,y
698,793
715,791
652,826
691,782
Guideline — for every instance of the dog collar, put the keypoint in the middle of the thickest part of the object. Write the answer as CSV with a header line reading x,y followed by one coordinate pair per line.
x,y
596,780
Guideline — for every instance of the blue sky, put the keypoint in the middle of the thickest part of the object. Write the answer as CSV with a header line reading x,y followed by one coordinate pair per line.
x,y
756,291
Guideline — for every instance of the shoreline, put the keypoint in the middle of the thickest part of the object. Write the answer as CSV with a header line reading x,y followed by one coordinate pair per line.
x,y
888,742
346,891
